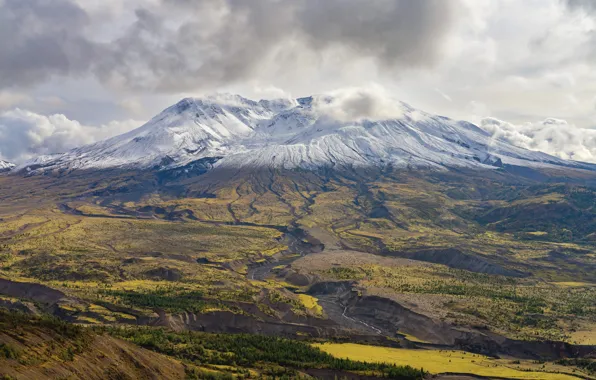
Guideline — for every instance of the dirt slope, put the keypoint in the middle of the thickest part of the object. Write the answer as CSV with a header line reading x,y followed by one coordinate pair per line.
x,y
47,349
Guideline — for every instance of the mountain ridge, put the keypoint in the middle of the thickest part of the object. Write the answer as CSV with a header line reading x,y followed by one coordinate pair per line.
x,y
306,133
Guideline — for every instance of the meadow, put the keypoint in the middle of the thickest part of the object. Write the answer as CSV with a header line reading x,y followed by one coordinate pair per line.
x,y
444,362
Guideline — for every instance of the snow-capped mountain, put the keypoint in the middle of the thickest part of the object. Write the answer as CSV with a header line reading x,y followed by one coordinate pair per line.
x,y
300,133
6,166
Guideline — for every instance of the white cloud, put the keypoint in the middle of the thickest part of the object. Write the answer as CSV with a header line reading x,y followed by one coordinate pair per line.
x,y
552,136
25,134
268,92
372,102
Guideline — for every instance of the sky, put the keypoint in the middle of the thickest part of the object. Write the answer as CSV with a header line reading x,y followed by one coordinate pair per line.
x,y
76,71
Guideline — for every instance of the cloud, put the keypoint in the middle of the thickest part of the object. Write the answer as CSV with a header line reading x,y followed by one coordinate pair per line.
x,y
24,134
552,136
372,102
270,92
251,39
585,5
11,99
133,106
41,39
394,32
181,45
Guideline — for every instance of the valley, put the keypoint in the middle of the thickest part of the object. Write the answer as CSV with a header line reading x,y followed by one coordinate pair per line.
x,y
313,262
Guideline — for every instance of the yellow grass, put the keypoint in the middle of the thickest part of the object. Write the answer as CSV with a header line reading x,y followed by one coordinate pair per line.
x,y
583,337
311,303
138,285
553,197
573,284
412,338
436,361
90,209
88,320
537,233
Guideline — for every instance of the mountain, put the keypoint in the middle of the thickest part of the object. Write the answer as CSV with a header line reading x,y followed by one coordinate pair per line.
x,y
302,133
492,251
6,166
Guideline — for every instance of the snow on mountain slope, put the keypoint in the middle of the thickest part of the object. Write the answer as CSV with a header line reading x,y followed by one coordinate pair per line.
x,y
6,166
307,133
191,128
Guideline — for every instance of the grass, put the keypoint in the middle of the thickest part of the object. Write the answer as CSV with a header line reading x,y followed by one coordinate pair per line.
x,y
587,337
437,362
126,261
81,252
412,338
311,303
250,351
574,284
534,309
39,347
108,253
167,299
67,234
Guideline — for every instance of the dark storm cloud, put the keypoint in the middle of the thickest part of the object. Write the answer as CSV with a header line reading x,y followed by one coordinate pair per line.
x,y
395,32
41,38
184,44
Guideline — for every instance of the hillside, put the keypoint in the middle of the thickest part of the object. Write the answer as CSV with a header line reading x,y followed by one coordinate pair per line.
x,y
43,348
